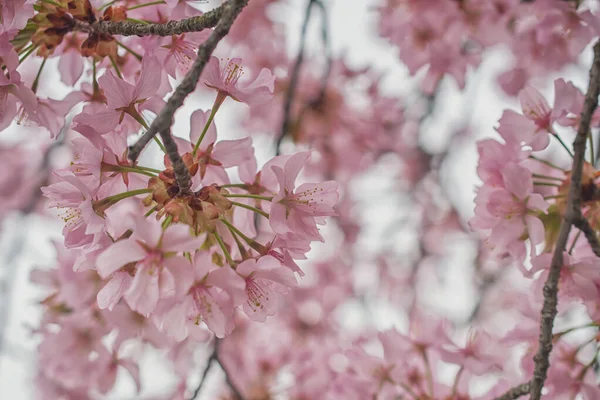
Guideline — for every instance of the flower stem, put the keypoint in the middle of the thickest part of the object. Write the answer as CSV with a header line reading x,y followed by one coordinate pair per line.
x,y
152,3
235,185
116,67
547,177
124,195
249,196
537,183
36,81
150,211
223,248
548,163
28,53
252,243
247,207
210,119
127,49
563,144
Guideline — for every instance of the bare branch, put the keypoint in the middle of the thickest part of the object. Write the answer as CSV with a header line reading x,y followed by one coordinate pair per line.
x,y
164,120
549,309
209,362
214,357
128,28
515,392
291,92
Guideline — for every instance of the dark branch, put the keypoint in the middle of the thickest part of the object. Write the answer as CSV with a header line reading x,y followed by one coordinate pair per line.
x,y
209,362
182,173
584,226
128,28
515,392
549,309
164,120
291,92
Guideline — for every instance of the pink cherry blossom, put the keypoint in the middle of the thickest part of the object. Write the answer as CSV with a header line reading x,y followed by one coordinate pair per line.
x,y
224,75
265,279
298,210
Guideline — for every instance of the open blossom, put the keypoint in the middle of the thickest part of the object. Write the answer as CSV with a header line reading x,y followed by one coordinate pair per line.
x,y
210,298
124,100
150,256
264,279
508,212
298,210
224,77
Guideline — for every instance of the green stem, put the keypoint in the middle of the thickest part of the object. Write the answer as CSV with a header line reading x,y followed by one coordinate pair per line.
x,y
28,53
120,168
206,126
235,185
34,86
247,207
563,144
223,248
110,3
550,178
152,3
555,196
548,163
136,55
124,195
536,183
150,211
116,67
167,222
156,171
138,117
249,196
252,243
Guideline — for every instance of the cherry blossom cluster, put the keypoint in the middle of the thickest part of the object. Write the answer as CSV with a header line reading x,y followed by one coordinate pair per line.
x,y
190,250
449,37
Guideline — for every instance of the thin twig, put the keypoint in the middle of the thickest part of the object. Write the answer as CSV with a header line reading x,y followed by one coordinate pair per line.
x,y
515,392
329,57
590,234
164,120
291,92
209,362
182,173
129,28
234,390
549,309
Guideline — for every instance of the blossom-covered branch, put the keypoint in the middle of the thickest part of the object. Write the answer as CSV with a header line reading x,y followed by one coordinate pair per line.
x,y
573,210
131,28
164,120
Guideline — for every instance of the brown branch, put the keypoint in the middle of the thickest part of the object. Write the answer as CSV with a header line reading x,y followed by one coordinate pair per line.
x,y
214,357
209,362
515,392
129,28
182,173
549,309
164,120
590,234
291,92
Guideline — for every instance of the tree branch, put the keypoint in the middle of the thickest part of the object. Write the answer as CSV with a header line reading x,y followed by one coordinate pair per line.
x,y
164,120
128,28
209,362
515,392
291,92
590,234
549,309
182,173
214,357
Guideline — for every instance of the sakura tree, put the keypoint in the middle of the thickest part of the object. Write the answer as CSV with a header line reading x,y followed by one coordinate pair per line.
x,y
250,248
